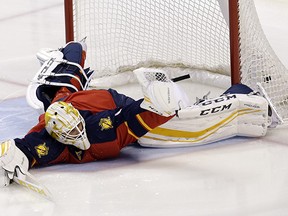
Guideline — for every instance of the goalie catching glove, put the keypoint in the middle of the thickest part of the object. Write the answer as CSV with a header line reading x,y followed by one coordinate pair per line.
x,y
161,95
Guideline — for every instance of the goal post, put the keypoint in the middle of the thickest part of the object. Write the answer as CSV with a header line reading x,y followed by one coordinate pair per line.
x,y
219,37
234,41
69,29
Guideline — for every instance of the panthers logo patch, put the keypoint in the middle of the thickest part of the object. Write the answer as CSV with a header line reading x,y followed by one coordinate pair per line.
x,y
42,150
105,123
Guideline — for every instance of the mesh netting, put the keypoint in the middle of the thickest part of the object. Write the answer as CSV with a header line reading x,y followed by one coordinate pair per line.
x,y
188,35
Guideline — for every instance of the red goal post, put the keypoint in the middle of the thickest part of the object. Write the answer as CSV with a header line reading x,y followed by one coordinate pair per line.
x,y
69,29
234,41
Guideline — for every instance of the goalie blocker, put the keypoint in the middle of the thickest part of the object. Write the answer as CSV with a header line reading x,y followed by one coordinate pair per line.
x,y
13,162
238,112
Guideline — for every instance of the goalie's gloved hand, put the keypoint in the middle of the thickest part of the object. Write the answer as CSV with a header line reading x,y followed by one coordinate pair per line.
x,y
4,179
161,95
12,162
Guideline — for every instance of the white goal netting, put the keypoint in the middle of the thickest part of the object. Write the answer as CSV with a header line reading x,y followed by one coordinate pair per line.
x,y
185,36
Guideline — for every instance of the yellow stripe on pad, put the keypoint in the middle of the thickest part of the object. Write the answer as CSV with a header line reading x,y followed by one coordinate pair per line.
x,y
194,134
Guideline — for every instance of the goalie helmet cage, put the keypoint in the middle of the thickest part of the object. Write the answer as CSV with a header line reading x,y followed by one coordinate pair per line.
x,y
218,36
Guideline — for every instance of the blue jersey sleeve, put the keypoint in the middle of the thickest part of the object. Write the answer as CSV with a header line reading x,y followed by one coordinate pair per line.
x,y
40,148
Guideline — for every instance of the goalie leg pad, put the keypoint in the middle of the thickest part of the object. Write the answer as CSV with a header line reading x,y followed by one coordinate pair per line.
x,y
238,89
212,120
75,52
12,162
60,70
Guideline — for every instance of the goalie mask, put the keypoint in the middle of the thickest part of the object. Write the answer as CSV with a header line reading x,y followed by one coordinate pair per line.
x,y
65,124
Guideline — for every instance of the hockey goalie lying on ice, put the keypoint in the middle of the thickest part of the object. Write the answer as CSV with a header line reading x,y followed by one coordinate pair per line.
x,y
81,125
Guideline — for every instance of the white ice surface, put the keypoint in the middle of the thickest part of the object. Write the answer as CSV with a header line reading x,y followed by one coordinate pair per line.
x,y
230,178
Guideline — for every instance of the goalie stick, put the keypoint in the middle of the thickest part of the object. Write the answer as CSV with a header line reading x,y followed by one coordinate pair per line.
x,y
33,185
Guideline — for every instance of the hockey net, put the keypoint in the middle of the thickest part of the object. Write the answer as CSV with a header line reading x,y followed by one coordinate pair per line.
x,y
212,40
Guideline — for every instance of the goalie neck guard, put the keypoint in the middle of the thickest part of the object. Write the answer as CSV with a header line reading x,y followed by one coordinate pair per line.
x,y
65,124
